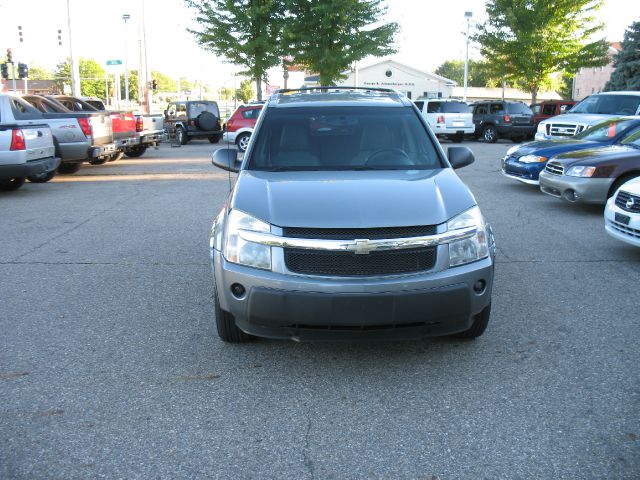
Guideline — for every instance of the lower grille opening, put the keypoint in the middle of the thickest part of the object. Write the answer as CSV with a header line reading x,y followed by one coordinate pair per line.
x,y
361,328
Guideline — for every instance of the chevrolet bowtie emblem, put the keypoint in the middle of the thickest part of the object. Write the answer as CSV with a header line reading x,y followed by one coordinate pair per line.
x,y
362,247
630,203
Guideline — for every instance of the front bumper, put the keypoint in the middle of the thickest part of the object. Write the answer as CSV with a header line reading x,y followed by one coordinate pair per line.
x,y
576,189
34,167
524,172
229,137
301,307
629,232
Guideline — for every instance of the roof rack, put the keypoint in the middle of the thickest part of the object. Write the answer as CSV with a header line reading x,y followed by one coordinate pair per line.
x,y
325,89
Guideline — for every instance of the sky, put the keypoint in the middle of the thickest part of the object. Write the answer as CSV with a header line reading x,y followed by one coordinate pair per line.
x,y
431,32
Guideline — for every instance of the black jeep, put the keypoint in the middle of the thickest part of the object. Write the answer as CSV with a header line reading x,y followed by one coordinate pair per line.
x,y
502,119
193,119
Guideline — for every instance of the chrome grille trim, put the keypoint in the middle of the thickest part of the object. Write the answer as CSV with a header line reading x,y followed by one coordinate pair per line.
x,y
554,168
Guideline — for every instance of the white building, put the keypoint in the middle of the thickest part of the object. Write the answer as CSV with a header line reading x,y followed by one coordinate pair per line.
x,y
412,82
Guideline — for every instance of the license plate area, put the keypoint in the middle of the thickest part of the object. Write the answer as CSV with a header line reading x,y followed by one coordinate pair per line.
x,y
623,219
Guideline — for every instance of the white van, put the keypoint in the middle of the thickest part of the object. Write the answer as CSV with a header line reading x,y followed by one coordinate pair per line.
x,y
447,117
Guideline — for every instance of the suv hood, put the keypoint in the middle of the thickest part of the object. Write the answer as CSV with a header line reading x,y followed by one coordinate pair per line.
x,y
578,118
548,148
355,199
594,156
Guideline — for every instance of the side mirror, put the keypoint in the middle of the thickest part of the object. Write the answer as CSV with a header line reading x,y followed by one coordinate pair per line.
x,y
226,159
460,157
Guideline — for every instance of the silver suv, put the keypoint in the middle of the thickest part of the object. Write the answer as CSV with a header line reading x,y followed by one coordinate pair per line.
x,y
347,220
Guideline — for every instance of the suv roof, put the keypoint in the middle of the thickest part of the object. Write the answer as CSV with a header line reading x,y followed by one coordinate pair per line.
x,y
338,97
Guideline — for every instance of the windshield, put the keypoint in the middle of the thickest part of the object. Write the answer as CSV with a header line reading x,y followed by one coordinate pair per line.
x,y
609,104
605,131
520,108
343,138
197,108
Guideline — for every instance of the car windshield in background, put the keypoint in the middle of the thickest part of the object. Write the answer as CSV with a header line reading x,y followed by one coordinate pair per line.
x,y
518,108
343,138
605,131
198,108
609,104
455,107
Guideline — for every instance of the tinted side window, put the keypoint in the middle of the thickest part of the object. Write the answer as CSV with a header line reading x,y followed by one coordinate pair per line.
x,y
496,107
419,104
519,108
549,110
481,109
433,107
535,109
23,111
455,107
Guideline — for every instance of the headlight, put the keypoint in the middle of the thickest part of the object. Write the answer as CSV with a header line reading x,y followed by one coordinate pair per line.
x,y
532,159
581,171
513,150
473,248
542,128
237,250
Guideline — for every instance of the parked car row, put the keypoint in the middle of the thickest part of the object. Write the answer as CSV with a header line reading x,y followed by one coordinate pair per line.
x,y
77,132
600,166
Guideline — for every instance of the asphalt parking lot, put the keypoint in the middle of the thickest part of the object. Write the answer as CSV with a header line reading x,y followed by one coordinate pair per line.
x,y
110,366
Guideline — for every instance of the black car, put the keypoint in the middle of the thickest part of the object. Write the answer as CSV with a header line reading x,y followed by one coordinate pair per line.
x,y
502,119
193,119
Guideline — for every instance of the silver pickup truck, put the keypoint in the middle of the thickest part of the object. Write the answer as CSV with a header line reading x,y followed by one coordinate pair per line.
x,y
26,148
78,136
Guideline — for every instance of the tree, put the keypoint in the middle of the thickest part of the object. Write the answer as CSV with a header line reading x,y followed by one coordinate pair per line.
x,y
37,72
226,93
165,83
479,74
245,92
626,62
133,85
329,36
246,32
528,40
92,77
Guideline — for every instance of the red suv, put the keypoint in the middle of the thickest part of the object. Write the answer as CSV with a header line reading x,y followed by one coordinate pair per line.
x,y
240,125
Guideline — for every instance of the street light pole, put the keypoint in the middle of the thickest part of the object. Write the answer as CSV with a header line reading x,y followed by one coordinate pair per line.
x,y
75,68
126,17
468,16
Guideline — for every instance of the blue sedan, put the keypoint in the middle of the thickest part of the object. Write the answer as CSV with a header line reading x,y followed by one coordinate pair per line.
x,y
525,162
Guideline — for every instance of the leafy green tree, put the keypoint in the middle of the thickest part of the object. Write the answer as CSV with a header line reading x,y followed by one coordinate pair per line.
x,y
245,32
165,83
226,93
479,74
133,85
328,36
245,92
37,72
528,40
91,76
626,75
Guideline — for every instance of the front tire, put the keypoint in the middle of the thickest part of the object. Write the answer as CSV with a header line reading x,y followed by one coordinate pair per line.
x,y
214,138
11,184
226,324
42,178
243,141
490,134
181,136
68,168
480,322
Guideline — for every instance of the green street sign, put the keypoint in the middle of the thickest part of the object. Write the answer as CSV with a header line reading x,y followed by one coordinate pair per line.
x,y
114,62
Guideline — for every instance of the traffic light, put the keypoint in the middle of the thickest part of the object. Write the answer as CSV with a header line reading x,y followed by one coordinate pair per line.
x,y
59,37
154,84
5,70
23,70
9,56
20,33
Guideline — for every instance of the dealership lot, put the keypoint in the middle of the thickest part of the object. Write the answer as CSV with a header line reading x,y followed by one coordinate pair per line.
x,y
110,365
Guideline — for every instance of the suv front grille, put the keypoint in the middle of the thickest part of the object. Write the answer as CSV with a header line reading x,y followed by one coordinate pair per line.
x,y
554,168
390,262
624,197
564,129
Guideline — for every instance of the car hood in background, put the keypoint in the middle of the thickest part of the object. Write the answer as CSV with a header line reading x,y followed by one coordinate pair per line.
x,y
579,118
593,156
549,148
355,199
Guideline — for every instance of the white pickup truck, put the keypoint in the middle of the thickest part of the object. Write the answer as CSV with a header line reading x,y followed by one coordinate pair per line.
x,y
26,148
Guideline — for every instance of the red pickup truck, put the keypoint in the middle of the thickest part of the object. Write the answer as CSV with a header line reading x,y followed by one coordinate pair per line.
x,y
123,124
549,108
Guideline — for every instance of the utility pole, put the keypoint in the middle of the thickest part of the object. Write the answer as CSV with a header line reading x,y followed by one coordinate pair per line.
x,y
147,70
468,16
75,69
126,17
